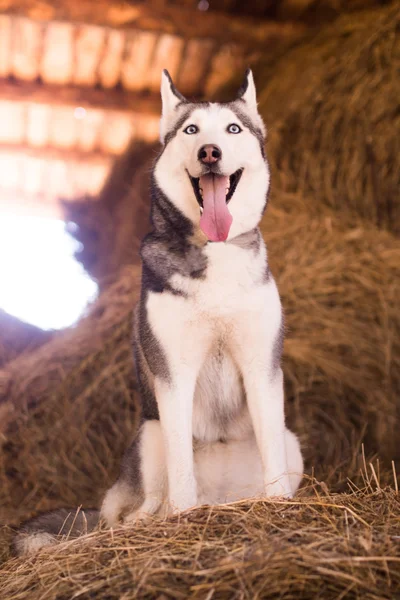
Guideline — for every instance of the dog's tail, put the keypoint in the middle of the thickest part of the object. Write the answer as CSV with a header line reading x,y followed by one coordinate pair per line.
x,y
54,526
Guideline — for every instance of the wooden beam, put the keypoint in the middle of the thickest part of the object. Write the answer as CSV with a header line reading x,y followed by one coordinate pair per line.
x,y
157,16
34,205
87,97
49,153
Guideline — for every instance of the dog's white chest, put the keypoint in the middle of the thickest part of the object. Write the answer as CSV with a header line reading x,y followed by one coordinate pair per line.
x,y
231,280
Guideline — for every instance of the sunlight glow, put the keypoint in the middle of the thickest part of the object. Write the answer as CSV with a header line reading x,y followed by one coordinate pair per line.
x,y
79,113
40,281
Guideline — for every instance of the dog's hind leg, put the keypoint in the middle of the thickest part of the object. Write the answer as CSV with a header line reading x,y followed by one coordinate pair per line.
x,y
142,486
233,470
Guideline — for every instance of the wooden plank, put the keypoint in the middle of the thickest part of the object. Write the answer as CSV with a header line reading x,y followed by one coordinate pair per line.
x,y
29,204
136,63
89,44
48,175
58,54
156,16
26,45
72,95
50,153
12,122
5,45
109,68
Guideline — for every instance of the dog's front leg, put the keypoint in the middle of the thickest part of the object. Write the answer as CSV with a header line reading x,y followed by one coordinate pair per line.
x,y
184,343
253,349
265,399
175,402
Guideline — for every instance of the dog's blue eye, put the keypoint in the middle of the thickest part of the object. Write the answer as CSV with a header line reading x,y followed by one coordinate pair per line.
x,y
190,129
233,128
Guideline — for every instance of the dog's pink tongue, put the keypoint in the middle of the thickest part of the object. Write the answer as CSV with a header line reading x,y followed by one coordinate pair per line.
x,y
216,219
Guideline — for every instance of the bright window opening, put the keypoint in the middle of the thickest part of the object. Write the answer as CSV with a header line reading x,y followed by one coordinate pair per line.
x,y
40,280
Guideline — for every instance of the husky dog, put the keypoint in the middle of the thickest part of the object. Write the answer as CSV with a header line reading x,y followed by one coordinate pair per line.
x,y
208,330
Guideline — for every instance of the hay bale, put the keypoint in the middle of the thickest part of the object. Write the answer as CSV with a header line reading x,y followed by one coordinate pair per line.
x,y
17,337
339,286
322,547
332,108
317,11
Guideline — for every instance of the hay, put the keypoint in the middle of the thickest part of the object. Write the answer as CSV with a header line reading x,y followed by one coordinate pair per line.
x,y
342,353
331,105
320,547
317,11
17,337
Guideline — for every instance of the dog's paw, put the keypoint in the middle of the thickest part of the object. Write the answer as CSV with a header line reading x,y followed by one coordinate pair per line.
x,y
136,516
118,500
279,488
182,503
149,508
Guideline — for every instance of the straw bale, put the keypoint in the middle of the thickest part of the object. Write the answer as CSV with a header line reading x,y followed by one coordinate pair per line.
x,y
324,547
320,10
17,337
331,105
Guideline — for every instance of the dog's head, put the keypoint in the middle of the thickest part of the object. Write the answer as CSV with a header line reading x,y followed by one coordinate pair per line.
x,y
213,166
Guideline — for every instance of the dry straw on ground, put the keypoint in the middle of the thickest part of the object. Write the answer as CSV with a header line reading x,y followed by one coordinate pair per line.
x,y
332,108
321,547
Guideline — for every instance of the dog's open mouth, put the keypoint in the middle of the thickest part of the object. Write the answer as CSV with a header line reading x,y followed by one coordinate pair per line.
x,y
230,188
213,193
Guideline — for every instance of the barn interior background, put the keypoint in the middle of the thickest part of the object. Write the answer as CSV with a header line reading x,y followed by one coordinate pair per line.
x,y
79,113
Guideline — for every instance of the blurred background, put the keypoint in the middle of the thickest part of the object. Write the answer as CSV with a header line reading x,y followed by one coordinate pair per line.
x,y
79,115
80,83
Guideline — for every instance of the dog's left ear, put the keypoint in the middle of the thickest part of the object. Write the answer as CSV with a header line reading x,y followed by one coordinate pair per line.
x,y
247,93
170,97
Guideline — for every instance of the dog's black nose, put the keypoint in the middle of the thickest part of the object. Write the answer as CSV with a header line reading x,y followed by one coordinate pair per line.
x,y
210,153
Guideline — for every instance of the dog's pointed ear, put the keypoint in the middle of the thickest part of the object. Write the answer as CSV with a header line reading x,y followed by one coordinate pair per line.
x,y
247,91
170,98
247,94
